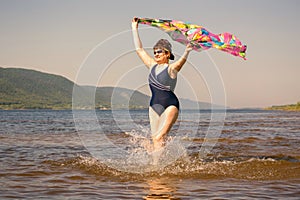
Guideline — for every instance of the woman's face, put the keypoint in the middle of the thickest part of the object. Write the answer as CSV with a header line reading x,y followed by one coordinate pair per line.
x,y
161,56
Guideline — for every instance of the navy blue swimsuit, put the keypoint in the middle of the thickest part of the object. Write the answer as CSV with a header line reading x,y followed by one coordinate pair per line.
x,y
162,87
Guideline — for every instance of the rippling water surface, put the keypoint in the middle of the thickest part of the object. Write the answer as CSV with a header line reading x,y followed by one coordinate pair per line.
x,y
257,156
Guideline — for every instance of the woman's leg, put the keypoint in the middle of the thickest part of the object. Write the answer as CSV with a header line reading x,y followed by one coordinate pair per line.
x,y
161,125
154,121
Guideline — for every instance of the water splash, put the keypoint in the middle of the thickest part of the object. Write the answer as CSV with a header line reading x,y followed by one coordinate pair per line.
x,y
190,166
145,158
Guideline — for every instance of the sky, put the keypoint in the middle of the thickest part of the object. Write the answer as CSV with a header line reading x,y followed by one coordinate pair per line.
x,y
90,43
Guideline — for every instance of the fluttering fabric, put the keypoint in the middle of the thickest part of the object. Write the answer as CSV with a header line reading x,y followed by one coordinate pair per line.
x,y
198,36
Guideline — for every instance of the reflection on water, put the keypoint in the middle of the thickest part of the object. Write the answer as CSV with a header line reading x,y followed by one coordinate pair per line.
x,y
161,188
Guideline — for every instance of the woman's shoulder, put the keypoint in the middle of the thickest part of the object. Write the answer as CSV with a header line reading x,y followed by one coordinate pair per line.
x,y
153,65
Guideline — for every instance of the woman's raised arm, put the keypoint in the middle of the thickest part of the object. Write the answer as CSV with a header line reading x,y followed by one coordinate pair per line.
x,y
145,57
176,66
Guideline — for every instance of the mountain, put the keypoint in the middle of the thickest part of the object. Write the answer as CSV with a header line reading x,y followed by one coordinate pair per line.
x,y
106,97
30,89
23,89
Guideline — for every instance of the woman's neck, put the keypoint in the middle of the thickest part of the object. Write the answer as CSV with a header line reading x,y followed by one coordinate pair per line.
x,y
163,63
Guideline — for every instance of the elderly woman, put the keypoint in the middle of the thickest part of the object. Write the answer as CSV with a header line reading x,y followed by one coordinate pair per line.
x,y
164,105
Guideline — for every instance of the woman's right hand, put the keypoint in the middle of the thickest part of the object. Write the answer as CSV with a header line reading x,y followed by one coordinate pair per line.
x,y
134,23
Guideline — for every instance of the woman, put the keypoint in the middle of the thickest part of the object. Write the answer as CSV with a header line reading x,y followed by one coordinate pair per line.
x,y
164,105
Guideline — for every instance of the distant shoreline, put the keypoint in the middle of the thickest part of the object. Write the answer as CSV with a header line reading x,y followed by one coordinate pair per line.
x,y
290,107
130,109
67,108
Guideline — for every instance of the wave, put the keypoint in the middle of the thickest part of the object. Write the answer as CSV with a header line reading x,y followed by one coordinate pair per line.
x,y
191,166
228,160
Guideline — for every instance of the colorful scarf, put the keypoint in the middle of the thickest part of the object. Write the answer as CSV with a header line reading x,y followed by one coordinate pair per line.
x,y
198,36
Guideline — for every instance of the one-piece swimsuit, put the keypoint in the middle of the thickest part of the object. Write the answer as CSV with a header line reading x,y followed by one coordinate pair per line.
x,y
162,88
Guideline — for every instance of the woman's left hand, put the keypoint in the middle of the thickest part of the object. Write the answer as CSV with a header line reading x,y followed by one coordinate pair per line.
x,y
189,47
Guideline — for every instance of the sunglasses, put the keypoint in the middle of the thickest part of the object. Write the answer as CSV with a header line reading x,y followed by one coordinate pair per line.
x,y
158,51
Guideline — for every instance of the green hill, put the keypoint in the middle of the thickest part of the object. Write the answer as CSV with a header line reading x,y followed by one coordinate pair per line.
x,y
30,89
290,107
24,89
106,97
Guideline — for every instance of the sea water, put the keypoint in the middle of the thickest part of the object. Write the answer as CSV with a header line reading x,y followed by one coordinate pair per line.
x,y
43,155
